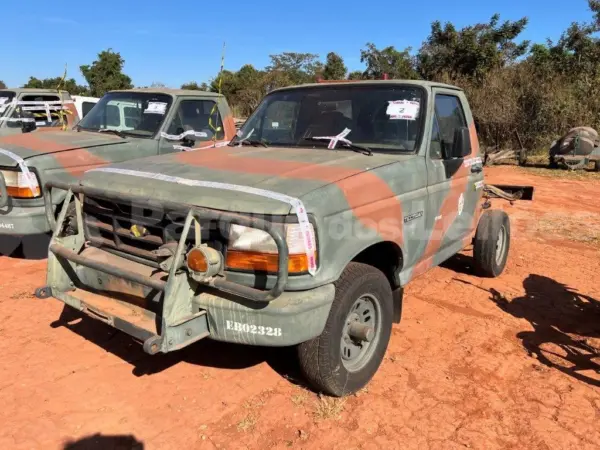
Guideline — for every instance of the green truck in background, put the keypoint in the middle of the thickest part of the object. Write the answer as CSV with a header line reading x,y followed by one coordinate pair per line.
x,y
23,110
123,125
303,231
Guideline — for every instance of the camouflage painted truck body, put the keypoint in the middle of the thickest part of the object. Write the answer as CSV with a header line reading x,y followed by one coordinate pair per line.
x,y
27,109
391,213
116,129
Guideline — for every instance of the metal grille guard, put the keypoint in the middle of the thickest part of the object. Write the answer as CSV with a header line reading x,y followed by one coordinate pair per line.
x,y
219,282
3,192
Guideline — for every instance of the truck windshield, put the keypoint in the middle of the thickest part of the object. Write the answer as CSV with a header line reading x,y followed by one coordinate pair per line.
x,y
138,114
5,98
382,118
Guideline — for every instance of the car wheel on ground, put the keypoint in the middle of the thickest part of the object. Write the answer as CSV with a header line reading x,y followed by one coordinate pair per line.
x,y
346,355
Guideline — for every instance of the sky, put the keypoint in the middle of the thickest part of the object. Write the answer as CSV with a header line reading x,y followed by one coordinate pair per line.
x,y
177,41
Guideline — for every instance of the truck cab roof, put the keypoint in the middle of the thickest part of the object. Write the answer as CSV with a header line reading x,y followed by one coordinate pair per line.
x,y
35,91
328,84
173,92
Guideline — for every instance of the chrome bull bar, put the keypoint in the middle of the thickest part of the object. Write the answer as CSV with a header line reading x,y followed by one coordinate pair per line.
x,y
219,282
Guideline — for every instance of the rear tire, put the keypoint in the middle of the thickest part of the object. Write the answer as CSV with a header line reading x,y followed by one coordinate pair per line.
x,y
336,363
492,243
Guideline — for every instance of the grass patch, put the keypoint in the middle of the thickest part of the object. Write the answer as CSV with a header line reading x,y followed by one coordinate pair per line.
x,y
584,228
329,407
299,399
583,175
247,423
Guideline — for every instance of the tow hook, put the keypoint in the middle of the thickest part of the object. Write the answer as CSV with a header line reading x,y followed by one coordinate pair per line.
x,y
43,292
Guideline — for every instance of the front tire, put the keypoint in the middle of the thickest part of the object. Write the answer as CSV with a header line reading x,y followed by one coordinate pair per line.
x,y
346,355
492,243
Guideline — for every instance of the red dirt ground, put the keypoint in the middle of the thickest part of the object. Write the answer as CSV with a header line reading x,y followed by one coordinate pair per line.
x,y
507,363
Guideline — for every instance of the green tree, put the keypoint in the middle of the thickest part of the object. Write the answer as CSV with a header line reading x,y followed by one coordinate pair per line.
x,y
2,85
576,54
396,64
334,68
228,82
193,86
251,88
297,68
355,75
471,51
106,73
69,85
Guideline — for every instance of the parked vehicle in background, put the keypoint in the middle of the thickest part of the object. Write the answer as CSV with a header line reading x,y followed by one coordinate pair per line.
x,y
304,231
24,110
84,105
123,125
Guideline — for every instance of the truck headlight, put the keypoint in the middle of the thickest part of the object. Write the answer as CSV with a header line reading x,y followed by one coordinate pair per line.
x,y
18,186
253,250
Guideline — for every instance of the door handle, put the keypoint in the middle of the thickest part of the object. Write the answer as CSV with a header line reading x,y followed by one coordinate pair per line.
x,y
476,169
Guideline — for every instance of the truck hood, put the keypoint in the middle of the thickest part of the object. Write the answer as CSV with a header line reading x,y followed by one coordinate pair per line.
x,y
294,172
30,145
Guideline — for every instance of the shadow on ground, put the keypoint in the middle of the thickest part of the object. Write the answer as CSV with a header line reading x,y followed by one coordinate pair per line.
x,y
105,442
566,324
460,263
206,353
33,247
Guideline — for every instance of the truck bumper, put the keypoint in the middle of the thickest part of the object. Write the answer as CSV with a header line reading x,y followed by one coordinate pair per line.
x,y
198,312
22,221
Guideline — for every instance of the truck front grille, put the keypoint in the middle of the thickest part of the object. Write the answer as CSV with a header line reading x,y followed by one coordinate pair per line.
x,y
109,224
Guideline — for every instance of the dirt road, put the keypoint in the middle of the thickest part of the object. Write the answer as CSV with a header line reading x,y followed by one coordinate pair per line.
x,y
507,363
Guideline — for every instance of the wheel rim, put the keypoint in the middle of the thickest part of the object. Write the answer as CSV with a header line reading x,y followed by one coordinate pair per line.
x,y
500,245
356,353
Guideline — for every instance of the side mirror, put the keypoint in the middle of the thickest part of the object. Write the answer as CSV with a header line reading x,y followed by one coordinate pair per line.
x,y
461,145
27,126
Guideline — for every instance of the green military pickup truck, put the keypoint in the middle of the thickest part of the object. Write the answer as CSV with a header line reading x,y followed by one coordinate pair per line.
x,y
123,125
302,232
23,110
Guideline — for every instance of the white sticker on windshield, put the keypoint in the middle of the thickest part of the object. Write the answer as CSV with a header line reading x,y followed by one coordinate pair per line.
x,y
403,110
275,124
156,108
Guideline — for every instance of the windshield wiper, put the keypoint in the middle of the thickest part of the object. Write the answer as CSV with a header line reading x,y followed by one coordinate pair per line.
x,y
252,142
357,148
117,132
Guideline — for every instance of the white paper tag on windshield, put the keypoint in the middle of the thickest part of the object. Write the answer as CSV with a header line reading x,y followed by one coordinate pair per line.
x,y
403,110
156,108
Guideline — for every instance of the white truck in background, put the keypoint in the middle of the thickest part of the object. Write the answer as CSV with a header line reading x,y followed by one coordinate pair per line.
x,y
84,105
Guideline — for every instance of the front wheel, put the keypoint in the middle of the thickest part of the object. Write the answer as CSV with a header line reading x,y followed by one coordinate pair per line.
x,y
344,358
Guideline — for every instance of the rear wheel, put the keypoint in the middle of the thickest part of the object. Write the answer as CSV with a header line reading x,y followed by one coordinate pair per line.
x,y
344,358
492,243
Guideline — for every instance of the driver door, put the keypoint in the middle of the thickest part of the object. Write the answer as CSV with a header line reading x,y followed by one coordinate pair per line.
x,y
453,182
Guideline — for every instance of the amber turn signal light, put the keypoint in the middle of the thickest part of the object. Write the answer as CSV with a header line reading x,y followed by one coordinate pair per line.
x,y
264,262
196,261
22,192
